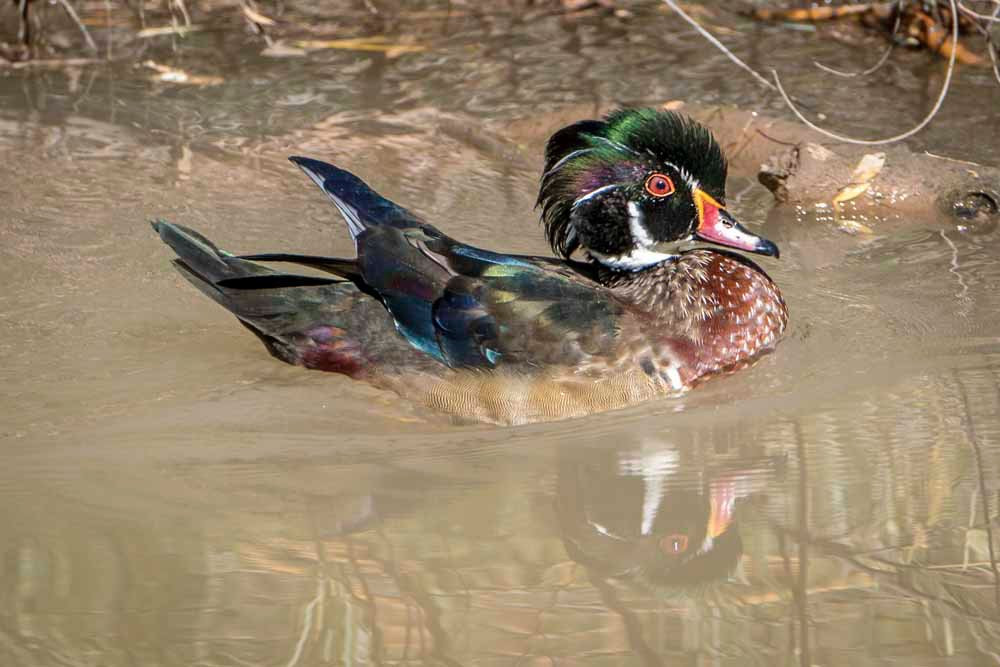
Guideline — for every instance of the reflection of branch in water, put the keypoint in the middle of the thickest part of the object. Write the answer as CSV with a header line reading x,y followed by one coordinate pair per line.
x,y
955,266
800,589
633,629
307,623
970,429
429,612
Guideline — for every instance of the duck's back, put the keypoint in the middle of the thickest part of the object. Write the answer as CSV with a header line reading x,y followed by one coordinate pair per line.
x,y
705,313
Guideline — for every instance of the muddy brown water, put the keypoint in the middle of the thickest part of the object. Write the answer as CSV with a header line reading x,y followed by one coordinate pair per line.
x,y
171,495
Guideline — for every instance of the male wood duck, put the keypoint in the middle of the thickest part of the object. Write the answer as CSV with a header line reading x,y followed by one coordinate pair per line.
x,y
514,339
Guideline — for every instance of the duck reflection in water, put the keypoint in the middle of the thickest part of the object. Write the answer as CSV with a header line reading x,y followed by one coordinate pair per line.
x,y
650,515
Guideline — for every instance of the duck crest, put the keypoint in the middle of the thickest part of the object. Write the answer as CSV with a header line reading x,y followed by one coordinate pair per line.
x,y
592,156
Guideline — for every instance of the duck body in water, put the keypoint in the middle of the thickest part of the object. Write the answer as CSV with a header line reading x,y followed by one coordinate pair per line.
x,y
514,339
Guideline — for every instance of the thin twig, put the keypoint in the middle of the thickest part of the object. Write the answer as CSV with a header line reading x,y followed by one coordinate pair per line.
x,y
184,12
974,14
76,19
970,430
885,55
24,28
898,137
55,62
719,45
991,47
951,159
107,11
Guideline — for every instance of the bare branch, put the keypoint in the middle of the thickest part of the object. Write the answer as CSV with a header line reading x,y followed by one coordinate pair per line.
x,y
885,55
899,137
719,45
991,47
76,19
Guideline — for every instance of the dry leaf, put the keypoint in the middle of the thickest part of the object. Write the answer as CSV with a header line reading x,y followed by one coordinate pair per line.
x,y
361,44
281,50
868,168
180,30
256,16
174,75
854,227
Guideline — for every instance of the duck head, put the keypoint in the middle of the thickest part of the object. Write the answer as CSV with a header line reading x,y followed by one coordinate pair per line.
x,y
624,188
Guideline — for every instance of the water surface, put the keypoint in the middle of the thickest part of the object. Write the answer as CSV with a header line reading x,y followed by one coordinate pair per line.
x,y
171,495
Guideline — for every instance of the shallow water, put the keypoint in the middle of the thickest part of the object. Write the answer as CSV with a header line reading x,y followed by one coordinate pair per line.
x,y
171,495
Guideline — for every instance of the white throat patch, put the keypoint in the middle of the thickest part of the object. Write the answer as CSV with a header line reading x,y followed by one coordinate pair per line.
x,y
642,253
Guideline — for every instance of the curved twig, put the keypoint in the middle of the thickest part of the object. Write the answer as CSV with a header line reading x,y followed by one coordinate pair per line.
x,y
882,60
719,45
974,14
991,47
870,70
899,137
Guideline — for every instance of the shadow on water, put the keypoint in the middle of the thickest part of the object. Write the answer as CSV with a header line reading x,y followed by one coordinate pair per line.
x,y
170,495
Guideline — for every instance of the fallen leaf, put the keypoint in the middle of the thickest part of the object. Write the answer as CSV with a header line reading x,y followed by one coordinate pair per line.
x,y
179,30
854,227
361,44
256,16
867,169
174,75
281,50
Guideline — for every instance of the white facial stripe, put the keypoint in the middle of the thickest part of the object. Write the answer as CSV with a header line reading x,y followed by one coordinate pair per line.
x,y
603,188
639,232
642,254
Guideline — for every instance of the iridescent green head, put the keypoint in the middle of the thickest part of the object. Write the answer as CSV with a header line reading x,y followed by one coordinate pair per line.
x,y
622,187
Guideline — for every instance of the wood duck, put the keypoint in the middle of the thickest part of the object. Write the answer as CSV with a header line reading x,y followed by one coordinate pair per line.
x,y
514,339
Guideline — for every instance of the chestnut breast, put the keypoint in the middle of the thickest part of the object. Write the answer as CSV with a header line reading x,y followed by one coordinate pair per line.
x,y
704,313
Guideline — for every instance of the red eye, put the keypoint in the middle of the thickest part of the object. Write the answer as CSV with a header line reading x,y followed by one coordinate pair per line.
x,y
672,545
659,185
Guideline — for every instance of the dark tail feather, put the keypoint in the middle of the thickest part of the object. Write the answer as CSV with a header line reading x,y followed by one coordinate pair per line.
x,y
319,322
345,268
277,307
205,265
361,206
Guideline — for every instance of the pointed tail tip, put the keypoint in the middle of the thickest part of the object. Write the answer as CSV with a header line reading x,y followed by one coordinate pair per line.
x,y
309,164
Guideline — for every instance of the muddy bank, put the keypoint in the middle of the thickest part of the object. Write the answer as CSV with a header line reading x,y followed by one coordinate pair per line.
x,y
802,168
